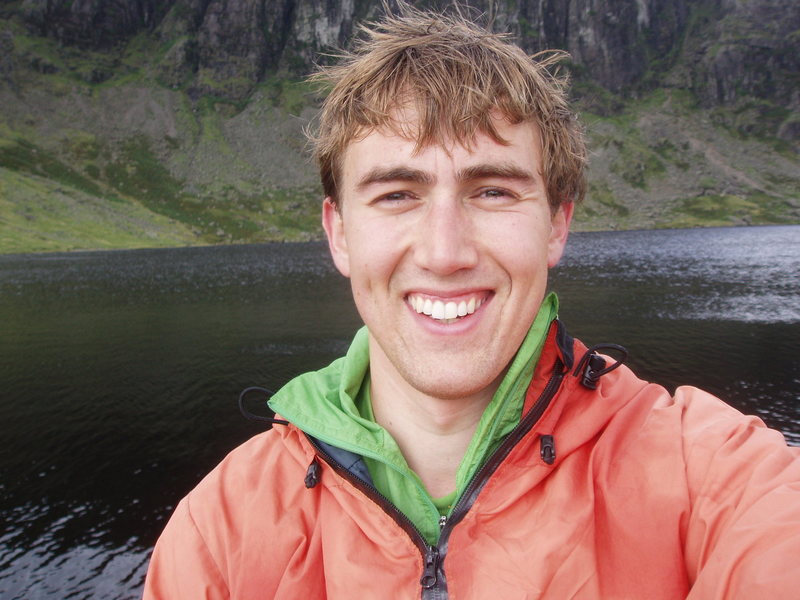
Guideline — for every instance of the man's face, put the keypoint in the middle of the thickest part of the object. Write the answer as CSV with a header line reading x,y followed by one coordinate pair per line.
x,y
447,251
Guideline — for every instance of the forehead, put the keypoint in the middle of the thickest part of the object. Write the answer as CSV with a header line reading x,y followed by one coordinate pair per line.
x,y
384,147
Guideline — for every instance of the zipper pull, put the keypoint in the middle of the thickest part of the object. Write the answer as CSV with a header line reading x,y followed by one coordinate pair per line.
x,y
442,522
429,576
548,449
312,475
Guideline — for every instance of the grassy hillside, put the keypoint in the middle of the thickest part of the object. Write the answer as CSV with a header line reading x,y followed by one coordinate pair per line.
x,y
99,150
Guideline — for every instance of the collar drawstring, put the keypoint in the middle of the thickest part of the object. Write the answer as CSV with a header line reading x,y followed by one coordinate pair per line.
x,y
252,416
592,366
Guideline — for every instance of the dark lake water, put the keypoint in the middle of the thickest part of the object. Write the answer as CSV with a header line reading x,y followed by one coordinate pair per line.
x,y
119,371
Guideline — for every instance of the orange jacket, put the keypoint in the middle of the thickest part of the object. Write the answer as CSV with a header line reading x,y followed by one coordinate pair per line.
x,y
622,491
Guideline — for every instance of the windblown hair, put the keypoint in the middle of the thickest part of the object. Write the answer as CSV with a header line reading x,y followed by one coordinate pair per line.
x,y
454,74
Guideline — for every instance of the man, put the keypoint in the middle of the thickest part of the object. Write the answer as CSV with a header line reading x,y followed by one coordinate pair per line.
x,y
466,446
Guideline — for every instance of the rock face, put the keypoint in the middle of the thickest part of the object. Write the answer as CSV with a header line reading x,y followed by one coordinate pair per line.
x,y
750,49
200,115
93,23
731,48
613,42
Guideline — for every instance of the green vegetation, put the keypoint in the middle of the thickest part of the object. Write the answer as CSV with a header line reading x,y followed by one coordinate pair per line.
x,y
727,209
292,95
636,165
600,201
136,147
637,159
38,214
93,196
24,157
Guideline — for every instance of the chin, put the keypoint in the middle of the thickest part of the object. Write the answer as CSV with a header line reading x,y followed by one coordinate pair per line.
x,y
455,388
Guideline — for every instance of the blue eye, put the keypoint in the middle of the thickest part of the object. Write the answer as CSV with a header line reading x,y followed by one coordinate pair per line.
x,y
395,196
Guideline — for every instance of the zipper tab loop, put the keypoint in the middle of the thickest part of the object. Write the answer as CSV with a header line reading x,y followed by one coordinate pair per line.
x,y
442,522
312,474
429,573
548,449
593,366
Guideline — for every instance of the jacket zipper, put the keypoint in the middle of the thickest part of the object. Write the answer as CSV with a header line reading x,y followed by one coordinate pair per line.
x,y
477,482
434,585
374,494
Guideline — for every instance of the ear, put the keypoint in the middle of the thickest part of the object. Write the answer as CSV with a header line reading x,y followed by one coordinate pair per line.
x,y
559,232
337,242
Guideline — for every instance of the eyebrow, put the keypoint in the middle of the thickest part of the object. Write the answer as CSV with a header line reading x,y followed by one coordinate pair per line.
x,y
388,174
496,171
481,171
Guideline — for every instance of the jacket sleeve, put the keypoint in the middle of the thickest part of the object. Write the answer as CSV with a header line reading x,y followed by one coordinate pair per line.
x,y
181,549
742,536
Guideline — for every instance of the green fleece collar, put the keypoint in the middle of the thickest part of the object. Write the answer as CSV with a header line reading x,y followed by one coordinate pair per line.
x,y
333,405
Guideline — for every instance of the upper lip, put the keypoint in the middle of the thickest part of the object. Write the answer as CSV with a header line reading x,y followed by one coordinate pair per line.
x,y
450,296
444,307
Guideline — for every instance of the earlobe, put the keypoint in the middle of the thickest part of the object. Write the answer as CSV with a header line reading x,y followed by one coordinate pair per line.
x,y
559,232
337,242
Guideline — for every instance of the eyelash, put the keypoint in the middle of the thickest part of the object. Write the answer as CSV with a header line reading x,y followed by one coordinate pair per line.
x,y
493,192
394,197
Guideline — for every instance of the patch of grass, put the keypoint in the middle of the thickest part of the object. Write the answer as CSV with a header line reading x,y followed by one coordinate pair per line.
x,y
227,215
80,145
135,171
717,207
292,95
599,193
636,164
210,124
235,88
594,99
710,210
290,214
666,150
23,156
752,118
38,215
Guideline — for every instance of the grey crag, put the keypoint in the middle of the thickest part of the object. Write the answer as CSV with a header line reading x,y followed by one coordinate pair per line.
x,y
135,122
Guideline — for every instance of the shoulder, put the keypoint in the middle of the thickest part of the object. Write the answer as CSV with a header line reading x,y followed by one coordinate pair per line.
x,y
741,534
254,497
250,511
703,441
730,456
261,467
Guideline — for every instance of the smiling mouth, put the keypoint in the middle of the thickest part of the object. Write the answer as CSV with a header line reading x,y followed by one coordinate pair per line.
x,y
445,311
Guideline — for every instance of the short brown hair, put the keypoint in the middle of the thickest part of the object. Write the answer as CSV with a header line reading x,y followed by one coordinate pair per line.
x,y
454,73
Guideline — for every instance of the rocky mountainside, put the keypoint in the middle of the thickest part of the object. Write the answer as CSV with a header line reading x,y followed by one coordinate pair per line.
x,y
185,116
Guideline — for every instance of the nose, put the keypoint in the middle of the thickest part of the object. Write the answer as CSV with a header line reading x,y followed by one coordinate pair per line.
x,y
445,238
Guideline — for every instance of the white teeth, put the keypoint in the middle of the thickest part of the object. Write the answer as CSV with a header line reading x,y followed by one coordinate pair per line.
x,y
447,312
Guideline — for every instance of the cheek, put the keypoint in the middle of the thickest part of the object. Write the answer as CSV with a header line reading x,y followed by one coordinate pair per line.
x,y
527,271
521,246
370,267
375,250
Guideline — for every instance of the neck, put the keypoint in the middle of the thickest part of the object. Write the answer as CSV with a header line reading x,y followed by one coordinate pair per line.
x,y
433,433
